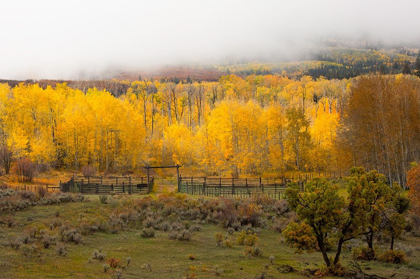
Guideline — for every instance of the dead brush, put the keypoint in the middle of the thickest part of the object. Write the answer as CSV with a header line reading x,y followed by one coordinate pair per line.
x,y
42,191
61,249
114,262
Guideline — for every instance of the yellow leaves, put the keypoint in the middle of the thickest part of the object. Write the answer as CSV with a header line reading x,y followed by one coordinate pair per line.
x,y
234,126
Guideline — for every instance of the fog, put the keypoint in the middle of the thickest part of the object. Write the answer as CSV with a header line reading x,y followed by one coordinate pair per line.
x,y
75,39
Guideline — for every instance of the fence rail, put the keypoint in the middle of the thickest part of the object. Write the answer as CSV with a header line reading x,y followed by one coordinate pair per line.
x,y
30,188
236,187
108,185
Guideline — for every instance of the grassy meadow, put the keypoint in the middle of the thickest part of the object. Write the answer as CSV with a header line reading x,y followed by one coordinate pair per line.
x,y
116,227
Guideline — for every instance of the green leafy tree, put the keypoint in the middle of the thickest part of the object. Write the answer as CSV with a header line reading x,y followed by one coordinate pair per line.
x,y
394,217
376,196
330,217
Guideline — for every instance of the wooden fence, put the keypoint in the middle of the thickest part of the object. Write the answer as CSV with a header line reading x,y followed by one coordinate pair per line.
x,y
30,188
236,187
108,185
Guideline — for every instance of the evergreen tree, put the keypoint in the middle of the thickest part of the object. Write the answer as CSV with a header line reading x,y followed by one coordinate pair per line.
x,y
406,68
417,66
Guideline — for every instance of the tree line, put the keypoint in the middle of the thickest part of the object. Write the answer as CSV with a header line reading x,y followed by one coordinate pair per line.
x,y
236,126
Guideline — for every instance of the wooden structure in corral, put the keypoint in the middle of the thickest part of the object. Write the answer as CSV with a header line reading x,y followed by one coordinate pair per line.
x,y
108,185
237,187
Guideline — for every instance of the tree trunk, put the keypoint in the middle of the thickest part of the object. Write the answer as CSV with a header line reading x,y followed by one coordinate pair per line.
x,y
392,242
337,255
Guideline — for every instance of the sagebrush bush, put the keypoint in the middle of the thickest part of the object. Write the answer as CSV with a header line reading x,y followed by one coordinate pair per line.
x,y
61,249
165,226
253,251
103,199
393,256
148,232
47,241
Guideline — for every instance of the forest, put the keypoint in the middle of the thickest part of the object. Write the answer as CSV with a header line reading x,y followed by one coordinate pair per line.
x,y
258,125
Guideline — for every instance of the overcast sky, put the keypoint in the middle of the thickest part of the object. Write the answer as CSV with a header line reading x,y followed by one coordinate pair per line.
x,y
65,39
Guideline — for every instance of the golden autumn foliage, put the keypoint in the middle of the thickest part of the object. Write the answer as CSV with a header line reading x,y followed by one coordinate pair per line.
x,y
237,126
413,182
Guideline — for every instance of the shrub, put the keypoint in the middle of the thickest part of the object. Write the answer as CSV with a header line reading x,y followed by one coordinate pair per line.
x,y
246,238
24,169
114,262
68,235
88,171
15,243
98,255
42,191
196,228
191,257
218,271
103,198
165,226
30,251
363,253
333,270
27,195
219,238
281,207
148,232
61,249
228,243
253,251
105,267
393,256
47,241
184,235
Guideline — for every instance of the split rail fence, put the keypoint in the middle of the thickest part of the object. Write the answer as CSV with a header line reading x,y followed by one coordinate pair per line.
x,y
108,185
237,187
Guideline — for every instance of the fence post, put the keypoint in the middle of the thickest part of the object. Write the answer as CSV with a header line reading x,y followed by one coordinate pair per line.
x,y
97,188
220,186
204,186
81,187
233,186
123,188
